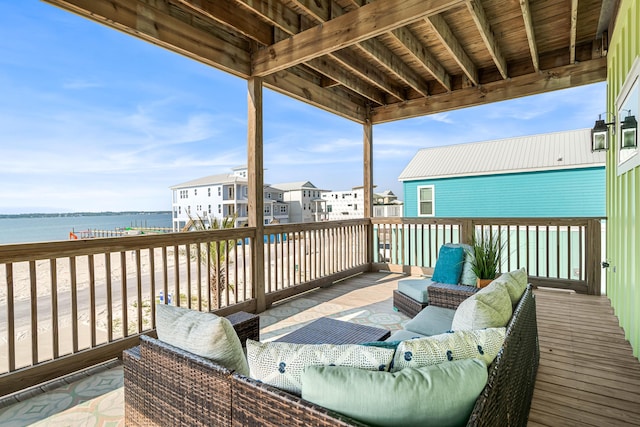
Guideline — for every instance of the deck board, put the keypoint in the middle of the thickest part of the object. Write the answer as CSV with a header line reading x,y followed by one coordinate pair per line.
x,y
588,374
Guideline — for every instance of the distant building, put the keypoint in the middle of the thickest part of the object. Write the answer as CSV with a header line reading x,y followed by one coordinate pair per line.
x,y
222,196
305,202
350,204
547,175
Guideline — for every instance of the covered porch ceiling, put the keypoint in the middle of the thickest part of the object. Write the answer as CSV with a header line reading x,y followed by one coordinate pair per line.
x,y
384,60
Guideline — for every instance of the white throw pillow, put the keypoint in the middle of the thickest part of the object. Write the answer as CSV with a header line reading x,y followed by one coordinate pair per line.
x,y
281,364
490,307
204,334
483,344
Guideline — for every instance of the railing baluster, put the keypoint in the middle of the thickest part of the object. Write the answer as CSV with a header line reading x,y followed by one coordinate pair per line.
x,y
123,294
108,282
74,302
53,271
188,262
176,276
92,299
152,277
139,289
34,312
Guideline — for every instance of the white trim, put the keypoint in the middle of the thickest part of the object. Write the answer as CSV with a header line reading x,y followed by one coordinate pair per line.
x,y
433,200
627,159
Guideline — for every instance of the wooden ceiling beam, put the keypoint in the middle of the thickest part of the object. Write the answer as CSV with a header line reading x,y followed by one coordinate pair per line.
x,y
372,86
332,99
356,26
420,52
480,18
226,12
574,29
453,46
151,21
581,73
531,37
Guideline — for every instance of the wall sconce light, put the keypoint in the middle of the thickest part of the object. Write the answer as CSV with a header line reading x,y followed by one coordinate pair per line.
x,y
600,134
629,132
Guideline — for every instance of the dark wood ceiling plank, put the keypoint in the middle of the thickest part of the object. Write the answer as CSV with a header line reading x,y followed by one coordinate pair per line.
x,y
581,73
484,27
531,37
356,26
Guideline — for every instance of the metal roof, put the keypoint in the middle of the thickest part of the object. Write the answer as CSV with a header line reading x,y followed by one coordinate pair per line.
x,y
225,178
558,150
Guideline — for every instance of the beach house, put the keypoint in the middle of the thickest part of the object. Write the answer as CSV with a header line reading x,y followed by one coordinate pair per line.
x,y
305,203
222,196
349,204
554,174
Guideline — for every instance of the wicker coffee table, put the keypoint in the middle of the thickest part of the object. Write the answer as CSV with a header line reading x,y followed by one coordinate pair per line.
x,y
331,331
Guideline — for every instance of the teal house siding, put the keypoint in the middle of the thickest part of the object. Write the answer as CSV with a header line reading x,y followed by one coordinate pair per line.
x,y
552,193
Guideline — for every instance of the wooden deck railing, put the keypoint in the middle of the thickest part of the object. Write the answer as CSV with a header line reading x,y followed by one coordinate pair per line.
x,y
68,305
557,252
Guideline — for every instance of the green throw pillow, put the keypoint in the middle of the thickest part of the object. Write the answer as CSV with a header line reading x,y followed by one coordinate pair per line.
x,y
449,265
439,395
515,282
204,334
490,307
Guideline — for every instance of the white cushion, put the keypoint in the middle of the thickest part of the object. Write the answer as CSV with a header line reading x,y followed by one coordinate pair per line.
x,y
204,334
490,307
281,364
483,344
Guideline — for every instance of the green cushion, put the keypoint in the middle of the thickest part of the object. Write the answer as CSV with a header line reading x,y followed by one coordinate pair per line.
x,y
490,307
483,344
281,364
468,277
449,265
515,282
415,288
432,320
438,395
204,334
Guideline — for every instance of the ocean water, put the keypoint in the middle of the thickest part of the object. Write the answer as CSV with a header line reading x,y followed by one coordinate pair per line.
x,y
51,228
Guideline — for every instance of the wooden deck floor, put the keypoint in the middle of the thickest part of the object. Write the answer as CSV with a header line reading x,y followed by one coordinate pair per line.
x,y
587,375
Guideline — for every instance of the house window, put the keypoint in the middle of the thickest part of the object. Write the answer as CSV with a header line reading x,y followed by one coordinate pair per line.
x,y
219,209
283,209
209,210
195,191
268,195
355,207
627,104
230,192
279,196
219,191
426,201
267,210
209,191
329,208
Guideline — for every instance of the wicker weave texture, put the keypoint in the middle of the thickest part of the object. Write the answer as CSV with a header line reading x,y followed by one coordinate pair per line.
x,y
506,399
449,296
257,404
407,305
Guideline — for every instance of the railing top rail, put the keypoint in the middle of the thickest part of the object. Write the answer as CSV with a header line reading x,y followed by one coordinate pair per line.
x,y
574,221
61,249
304,226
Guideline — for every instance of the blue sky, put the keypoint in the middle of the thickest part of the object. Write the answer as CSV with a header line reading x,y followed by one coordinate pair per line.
x,y
93,120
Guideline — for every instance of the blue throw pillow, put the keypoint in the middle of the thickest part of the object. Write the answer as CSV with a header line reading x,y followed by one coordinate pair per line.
x,y
449,265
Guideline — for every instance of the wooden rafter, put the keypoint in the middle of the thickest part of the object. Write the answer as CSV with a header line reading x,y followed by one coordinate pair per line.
x,y
227,12
531,37
564,77
453,46
480,18
574,30
346,30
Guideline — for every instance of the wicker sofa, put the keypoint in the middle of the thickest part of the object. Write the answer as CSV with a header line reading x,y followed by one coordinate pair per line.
x,y
167,386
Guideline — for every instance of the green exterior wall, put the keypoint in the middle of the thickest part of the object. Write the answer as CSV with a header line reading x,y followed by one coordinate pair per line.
x,y
623,191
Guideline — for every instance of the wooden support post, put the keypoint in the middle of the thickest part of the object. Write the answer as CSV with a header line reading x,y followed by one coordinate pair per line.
x,y
468,231
593,256
256,187
368,185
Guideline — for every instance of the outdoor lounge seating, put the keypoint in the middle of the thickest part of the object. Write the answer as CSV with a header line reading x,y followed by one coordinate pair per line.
x,y
168,386
451,283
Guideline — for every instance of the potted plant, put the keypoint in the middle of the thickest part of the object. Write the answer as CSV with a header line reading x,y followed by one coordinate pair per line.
x,y
485,262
